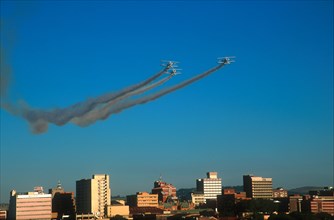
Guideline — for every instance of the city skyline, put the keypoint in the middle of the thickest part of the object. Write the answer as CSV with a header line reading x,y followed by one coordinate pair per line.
x,y
150,187
270,113
93,198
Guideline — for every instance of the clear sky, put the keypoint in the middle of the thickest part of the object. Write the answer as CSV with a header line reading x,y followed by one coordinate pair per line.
x,y
269,114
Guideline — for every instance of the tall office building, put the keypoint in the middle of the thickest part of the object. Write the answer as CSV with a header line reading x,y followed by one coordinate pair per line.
x,y
93,195
211,186
258,187
30,205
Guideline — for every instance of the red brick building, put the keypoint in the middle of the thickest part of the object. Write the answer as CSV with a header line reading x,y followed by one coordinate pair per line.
x,y
164,191
318,204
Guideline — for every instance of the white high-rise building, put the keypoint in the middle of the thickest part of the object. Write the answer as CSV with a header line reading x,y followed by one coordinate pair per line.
x,y
210,186
93,195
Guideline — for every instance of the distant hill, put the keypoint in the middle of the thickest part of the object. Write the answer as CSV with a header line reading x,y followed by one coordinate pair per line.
x,y
184,194
304,190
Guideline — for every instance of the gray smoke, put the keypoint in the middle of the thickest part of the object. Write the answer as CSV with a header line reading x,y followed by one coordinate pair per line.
x,y
101,112
62,116
39,119
7,36
99,108
120,106
5,76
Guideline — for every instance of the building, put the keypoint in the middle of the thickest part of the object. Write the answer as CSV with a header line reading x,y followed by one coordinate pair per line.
x,y
143,199
63,203
226,204
93,195
197,198
118,208
240,196
30,205
3,214
144,211
258,187
164,191
210,186
326,191
3,210
57,189
295,203
280,193
228,191
316,204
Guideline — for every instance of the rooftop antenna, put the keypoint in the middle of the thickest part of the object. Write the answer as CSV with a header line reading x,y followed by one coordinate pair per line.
x,y
59,184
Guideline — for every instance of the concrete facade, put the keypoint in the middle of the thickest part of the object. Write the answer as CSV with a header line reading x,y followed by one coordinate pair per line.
x,y
211,186
258,187
143,199
30,205
197,198
122,210
93,195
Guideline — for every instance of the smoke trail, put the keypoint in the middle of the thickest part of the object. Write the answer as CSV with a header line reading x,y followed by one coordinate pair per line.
x,y
120,107
102,113
5,75
7,35
39,119
6,45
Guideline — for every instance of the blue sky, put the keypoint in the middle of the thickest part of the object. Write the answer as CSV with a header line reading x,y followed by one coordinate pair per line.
x,y
269,114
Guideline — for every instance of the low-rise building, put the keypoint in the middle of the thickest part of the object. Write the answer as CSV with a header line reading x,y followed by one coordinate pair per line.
x,y
280,193
118,209
295,203
3,214
228,191
240,196
317,204
143,199
197,198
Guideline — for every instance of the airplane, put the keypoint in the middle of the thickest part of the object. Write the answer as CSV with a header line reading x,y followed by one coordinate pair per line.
x,y
174,72
169,63
226,60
